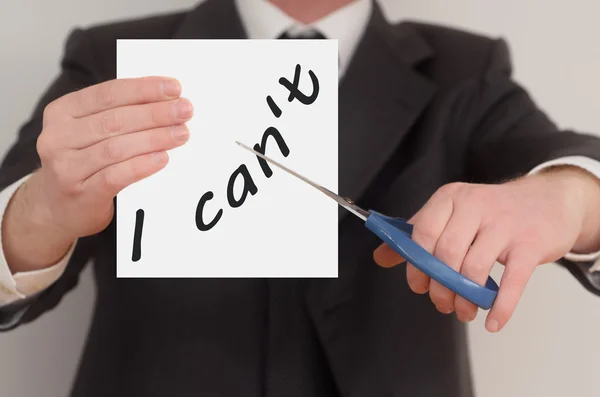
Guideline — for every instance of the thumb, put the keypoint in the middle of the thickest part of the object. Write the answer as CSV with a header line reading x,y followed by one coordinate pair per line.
x,y
385,256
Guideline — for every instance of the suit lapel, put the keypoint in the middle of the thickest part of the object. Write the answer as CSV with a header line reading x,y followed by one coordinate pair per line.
x,y
381,96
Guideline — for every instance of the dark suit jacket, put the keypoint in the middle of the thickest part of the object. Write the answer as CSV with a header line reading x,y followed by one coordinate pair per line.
x,y
420,106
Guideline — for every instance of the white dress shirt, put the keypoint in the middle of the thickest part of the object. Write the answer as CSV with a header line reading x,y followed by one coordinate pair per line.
x,y
261,20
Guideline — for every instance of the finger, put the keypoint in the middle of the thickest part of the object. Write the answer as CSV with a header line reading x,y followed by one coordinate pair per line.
x,y
109,181
386,257
477,265
451,248
96,128
520,265
124,147
428,224
417,280
117,93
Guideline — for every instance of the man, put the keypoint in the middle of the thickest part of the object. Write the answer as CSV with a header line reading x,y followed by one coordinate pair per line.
x,y
430,126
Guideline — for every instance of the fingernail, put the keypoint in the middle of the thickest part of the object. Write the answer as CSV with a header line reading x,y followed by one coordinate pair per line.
x,y
184,109
464,318
445,310
493,325
171,88
159,157
179,132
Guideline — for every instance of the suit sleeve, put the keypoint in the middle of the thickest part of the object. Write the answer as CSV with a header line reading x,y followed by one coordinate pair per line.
x,y
76,73
510,136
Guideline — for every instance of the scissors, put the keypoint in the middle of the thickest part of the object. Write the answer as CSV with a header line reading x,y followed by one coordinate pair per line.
x,y
396,232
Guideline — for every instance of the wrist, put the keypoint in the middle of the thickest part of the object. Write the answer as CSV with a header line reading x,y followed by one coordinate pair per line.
x,y
582,190
44,211
31,239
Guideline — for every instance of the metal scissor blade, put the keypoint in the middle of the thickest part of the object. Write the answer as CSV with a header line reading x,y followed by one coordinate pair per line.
x,y
342,201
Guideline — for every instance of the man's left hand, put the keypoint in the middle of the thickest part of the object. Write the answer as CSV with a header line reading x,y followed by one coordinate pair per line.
x,y
521,224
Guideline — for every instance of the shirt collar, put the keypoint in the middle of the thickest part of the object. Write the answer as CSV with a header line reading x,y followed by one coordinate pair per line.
x,y
263,20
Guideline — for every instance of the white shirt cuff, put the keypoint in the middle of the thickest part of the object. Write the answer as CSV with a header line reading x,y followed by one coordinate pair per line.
x,y
25,284
593,167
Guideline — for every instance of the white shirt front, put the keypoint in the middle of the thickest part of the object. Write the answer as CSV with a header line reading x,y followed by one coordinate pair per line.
x,y
261,20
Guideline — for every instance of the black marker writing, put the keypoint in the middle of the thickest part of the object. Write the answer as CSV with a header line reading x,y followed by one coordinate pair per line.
x,y
274,132
137,236
295,91
200,209
249,185
273,106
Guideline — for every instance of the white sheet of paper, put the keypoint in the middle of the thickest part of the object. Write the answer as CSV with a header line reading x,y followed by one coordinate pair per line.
x,y
287,229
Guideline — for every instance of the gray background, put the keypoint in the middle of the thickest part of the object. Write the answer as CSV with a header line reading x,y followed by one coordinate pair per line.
x,y
548,347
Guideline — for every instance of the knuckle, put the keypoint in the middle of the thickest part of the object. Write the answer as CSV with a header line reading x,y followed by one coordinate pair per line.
x,y
477,198
448,188
112,150
49,111
450,254
109,179
452,189
138,87
475,266
111,124
526,239
449,248
425,232
156,113
44,146
157,140
526,252
106,95
513,280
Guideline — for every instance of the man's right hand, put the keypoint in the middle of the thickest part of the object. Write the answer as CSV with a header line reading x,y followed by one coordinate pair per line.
x,y
94,143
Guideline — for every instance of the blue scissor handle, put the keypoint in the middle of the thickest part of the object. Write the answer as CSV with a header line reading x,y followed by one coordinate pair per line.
x,y
396,233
